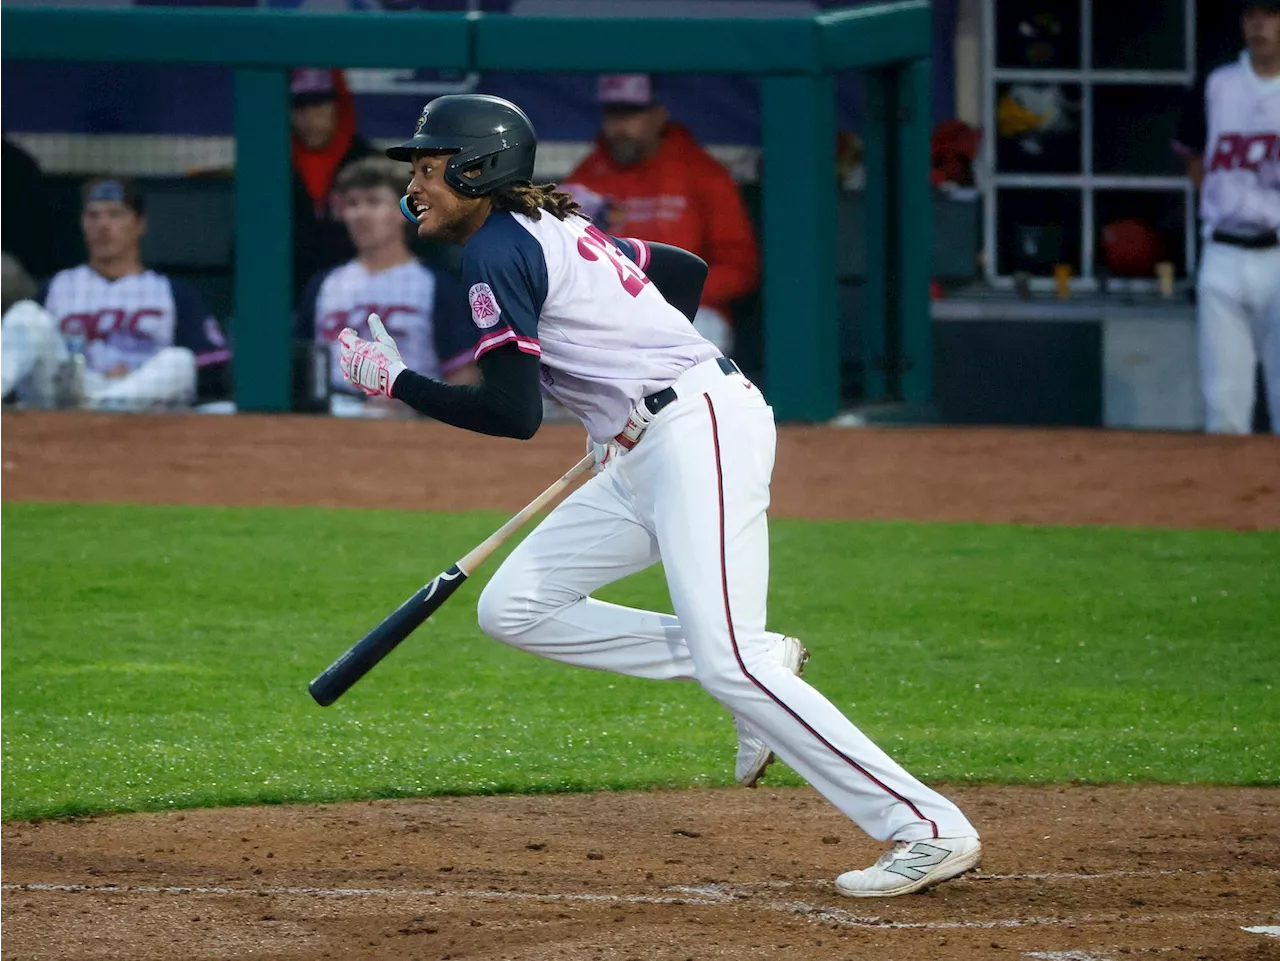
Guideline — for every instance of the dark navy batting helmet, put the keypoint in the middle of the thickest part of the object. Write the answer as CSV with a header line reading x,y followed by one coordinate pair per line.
x,y
485,134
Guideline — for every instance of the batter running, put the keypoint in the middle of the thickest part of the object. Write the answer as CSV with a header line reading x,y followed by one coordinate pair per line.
x,y
561,304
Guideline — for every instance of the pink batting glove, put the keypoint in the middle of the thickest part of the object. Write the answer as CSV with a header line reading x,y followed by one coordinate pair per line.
x,y
371,365
603,454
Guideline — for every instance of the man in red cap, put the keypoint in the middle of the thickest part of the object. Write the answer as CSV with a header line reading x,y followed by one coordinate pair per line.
x,y
647,177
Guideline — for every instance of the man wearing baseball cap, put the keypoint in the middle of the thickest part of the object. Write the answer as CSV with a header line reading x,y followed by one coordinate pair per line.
x,y
323,118
648,178
112,334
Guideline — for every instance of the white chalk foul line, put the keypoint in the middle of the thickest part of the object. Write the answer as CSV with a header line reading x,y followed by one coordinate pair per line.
x,y
1270,930
826,915
365,893
704,895
1059,876
742,890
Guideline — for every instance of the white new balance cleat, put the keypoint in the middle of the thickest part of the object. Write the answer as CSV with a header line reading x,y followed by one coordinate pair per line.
x,y
912,866
753,754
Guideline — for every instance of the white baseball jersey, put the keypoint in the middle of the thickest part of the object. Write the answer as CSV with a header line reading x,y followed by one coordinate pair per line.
x,y
129,320
423,312
577,298
693,492
1239,133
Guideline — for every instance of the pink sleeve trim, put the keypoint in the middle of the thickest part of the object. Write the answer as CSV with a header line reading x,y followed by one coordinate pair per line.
x,y
642,252
213,357
507,335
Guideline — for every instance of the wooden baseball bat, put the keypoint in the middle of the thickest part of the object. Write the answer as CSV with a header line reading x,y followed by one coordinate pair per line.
x,y
335,679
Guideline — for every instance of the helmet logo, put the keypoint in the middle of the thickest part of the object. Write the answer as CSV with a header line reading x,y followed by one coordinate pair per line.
x,y
422,122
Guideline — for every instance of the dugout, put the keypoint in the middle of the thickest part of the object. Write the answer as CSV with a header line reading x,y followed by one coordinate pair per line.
x,y
795,60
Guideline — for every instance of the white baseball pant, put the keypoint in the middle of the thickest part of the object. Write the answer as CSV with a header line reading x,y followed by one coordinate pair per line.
x,y
694,493
32,349
1238,291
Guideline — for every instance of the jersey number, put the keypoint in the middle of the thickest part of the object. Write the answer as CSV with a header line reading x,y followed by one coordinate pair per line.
x,y
597,242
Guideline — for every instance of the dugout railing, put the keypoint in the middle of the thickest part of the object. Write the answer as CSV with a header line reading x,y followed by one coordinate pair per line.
x,y
795,60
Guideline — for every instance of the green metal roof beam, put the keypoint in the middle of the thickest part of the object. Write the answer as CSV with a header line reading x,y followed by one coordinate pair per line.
x,y
237,38
649,44
875,35
861,37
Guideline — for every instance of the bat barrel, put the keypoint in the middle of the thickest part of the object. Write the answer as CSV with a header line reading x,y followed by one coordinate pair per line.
x,y
334,680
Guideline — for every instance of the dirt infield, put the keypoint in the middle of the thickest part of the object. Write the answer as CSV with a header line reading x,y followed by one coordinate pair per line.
x,y
1101,872
1070,873
991,476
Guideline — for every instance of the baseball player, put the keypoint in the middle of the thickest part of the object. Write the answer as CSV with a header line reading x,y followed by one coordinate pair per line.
x,y
132,337
557,300
1231,139
432,328
32,378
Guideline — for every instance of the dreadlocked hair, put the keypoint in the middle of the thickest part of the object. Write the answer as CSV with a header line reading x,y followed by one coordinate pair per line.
x,y
532,199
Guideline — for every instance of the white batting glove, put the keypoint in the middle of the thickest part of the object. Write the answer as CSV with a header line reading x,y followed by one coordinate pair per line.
x,y
371,365
603,454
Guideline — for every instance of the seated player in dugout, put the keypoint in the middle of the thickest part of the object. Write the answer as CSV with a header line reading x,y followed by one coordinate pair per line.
x,y
112,334
647,177
41,381
422,308
685,449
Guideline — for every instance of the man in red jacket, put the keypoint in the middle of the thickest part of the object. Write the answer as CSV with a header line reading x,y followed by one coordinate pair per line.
x,y
323,119
648,178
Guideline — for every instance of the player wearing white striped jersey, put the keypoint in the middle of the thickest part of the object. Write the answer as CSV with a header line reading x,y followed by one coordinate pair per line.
x,y
134,337
555,298
1231,137
423,309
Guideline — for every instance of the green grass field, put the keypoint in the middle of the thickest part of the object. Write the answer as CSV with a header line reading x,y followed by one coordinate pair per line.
x,y
158,657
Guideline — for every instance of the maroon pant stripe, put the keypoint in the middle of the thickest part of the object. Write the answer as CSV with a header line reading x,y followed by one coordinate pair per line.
x,y
737,654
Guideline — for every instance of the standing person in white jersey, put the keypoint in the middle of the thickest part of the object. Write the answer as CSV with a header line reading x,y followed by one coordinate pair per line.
x,y
1231,139
557,300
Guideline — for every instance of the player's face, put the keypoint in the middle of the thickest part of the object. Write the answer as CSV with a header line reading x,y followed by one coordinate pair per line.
x,y
442,212
315,123
1262,31
372,216
112,230
632,135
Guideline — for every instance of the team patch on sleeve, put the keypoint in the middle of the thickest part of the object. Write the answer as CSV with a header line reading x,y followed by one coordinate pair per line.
x,y
485,311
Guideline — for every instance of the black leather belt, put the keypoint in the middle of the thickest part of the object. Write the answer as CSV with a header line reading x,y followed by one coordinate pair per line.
x,y
655,402
1258,242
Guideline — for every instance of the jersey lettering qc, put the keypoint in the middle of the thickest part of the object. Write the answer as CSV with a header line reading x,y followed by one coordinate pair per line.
x,y
577,298
1237,126
423,311
129,320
